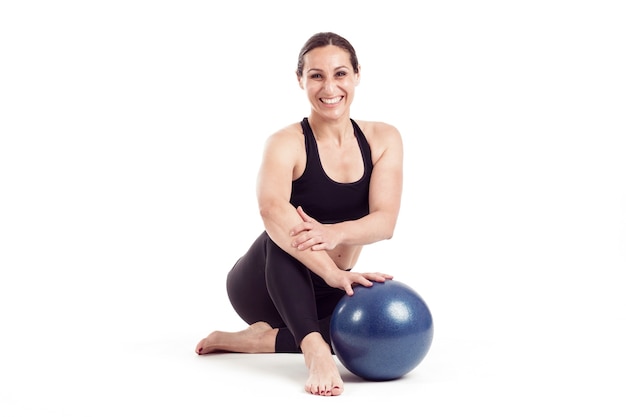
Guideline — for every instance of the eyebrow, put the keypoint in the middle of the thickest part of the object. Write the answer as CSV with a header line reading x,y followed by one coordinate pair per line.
x,y
338,68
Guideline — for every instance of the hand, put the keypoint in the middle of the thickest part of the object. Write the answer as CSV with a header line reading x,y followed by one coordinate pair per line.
x,y
346,280
311,234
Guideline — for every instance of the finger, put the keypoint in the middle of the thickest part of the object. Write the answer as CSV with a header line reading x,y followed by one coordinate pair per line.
x,y
305,216
349,290
363,281
299,228
298,240
303,243
381,274
302,214
295,230
319,246
377,276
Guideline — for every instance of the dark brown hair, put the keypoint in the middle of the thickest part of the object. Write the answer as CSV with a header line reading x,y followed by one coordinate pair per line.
x,y
324,39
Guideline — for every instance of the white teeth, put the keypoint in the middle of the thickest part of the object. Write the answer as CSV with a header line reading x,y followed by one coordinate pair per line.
x,y
331,100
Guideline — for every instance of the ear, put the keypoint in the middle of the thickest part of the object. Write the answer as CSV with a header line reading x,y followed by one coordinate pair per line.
x,y
358,76
300,83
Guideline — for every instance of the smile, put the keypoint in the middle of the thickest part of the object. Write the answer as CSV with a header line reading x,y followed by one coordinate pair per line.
x,y
333,100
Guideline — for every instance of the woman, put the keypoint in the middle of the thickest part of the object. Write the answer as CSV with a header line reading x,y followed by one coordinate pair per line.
x,y
327,186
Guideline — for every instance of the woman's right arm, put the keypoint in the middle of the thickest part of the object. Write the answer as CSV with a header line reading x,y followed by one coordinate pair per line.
x,y
276,174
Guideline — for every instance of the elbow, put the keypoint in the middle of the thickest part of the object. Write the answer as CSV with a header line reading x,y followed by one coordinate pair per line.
x,y
384,222
389,230
385,233
267,210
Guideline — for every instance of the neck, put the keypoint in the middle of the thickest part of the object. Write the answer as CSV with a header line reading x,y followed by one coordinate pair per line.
x,y
336,129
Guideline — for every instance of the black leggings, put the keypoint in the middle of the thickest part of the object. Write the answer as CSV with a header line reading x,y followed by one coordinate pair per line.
x,y
267,284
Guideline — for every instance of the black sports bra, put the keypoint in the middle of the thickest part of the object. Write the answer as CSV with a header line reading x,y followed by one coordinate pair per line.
x,y
324,199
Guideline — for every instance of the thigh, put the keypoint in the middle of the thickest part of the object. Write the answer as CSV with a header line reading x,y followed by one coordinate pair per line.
x,y
247,289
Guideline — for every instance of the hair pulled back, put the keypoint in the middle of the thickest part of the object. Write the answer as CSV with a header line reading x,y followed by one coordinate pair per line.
x,y
324,39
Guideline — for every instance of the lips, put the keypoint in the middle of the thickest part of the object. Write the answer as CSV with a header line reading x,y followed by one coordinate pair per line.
x,y
333,100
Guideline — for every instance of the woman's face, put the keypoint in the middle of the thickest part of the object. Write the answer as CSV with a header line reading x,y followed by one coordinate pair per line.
x,y
329,80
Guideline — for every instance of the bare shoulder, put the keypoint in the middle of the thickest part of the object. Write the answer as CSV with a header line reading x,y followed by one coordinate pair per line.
x,y
284,151
287,137
377,128
381,137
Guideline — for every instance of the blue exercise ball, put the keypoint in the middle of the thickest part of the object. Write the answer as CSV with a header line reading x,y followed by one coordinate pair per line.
x,y
381,332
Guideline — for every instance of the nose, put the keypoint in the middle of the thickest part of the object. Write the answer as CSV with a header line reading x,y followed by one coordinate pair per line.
x,y
329,84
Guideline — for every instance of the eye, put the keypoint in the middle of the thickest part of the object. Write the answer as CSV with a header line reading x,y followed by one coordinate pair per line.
x,y
341,73
316,76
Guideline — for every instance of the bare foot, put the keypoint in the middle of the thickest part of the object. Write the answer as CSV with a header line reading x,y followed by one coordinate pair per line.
x,y
324,378
257,338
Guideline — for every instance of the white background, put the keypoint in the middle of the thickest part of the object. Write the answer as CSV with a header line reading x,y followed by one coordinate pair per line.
x,y
131,133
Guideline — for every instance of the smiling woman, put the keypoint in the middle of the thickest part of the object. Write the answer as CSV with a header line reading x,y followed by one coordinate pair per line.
x,y
327,186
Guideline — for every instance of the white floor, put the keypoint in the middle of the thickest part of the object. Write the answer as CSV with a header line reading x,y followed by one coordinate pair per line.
x,y
130,138
128,350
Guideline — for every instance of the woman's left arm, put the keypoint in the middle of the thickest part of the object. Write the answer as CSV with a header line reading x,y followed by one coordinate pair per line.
x,y
384,200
